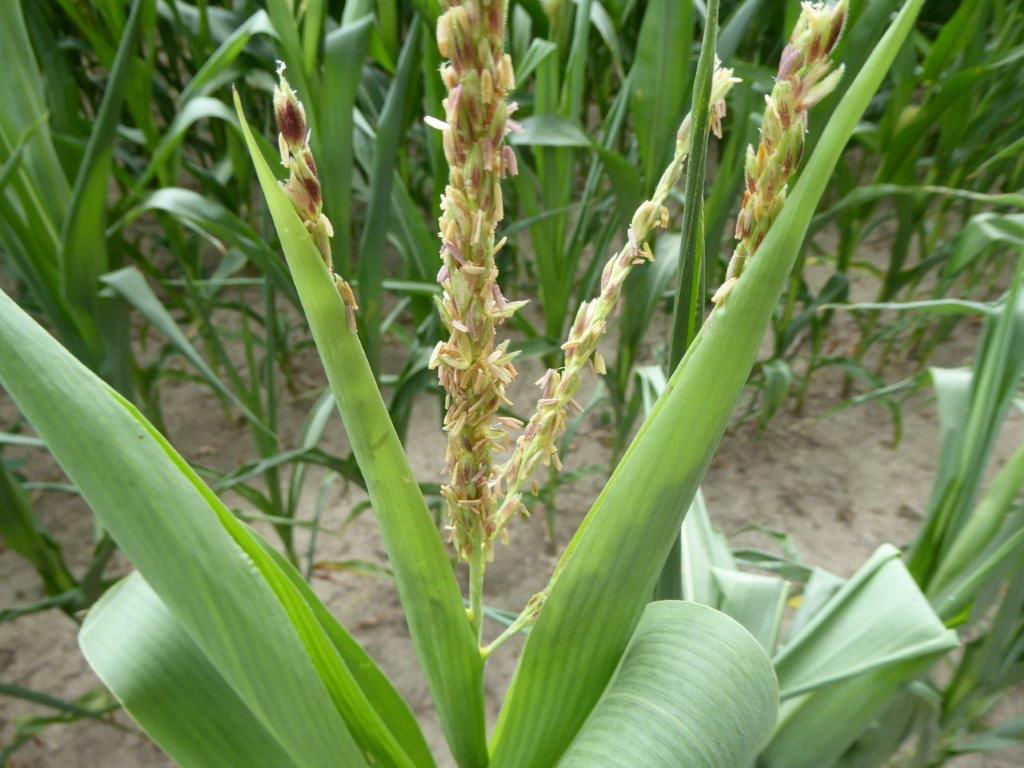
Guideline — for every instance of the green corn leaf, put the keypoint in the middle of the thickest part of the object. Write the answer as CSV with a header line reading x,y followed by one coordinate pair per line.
x,y
441,633
199,108
173,691
755,601
575,71
83,243
872,192
173,529
876,619
983,525
661,83
212,219
693,688
817,592
380,693
344,53
225,55
943,307
735,27
24,534
816,729
550,130
385,157
538,51
133,288
612,563
971,408
24,107
703,550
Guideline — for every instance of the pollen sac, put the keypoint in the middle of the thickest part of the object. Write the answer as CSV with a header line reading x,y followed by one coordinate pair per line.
x,y
289,112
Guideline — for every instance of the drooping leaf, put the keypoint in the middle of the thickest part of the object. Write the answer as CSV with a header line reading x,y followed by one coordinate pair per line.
x,y
693,688
876,619
175,694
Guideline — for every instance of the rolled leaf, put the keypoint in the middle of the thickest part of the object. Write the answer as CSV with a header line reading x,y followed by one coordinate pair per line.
x,y
693,689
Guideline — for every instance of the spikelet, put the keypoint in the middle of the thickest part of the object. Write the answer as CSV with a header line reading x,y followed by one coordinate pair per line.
x,y
303,184
805,77
537,444
472,368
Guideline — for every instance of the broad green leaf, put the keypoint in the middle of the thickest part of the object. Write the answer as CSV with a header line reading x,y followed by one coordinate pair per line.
x,y
378,212
380,693
176,694
817,728
609,568
199,108
538,51
981,233
876,619
817,592
755,601
703,550
660,78
550,130
693,689
173,530
225,55
444,642
957,595
344,53
982,527
83,243
574,73
735,27
24,106
971,409
606,29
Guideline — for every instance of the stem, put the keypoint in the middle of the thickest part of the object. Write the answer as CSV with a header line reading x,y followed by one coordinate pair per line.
x,y
688,314
509,632
477,567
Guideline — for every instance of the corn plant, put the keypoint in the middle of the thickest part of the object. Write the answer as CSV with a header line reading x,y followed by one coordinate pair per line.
x,y
862,663
221,651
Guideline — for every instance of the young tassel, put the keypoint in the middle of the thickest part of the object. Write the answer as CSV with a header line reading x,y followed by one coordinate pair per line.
x,y
538,443
303,184
805,77
473,370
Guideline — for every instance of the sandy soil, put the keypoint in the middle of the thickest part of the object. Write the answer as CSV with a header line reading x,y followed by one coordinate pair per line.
x,y
833,482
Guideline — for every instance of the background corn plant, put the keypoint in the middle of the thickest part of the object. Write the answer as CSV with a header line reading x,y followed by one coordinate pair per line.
x,y
157,217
